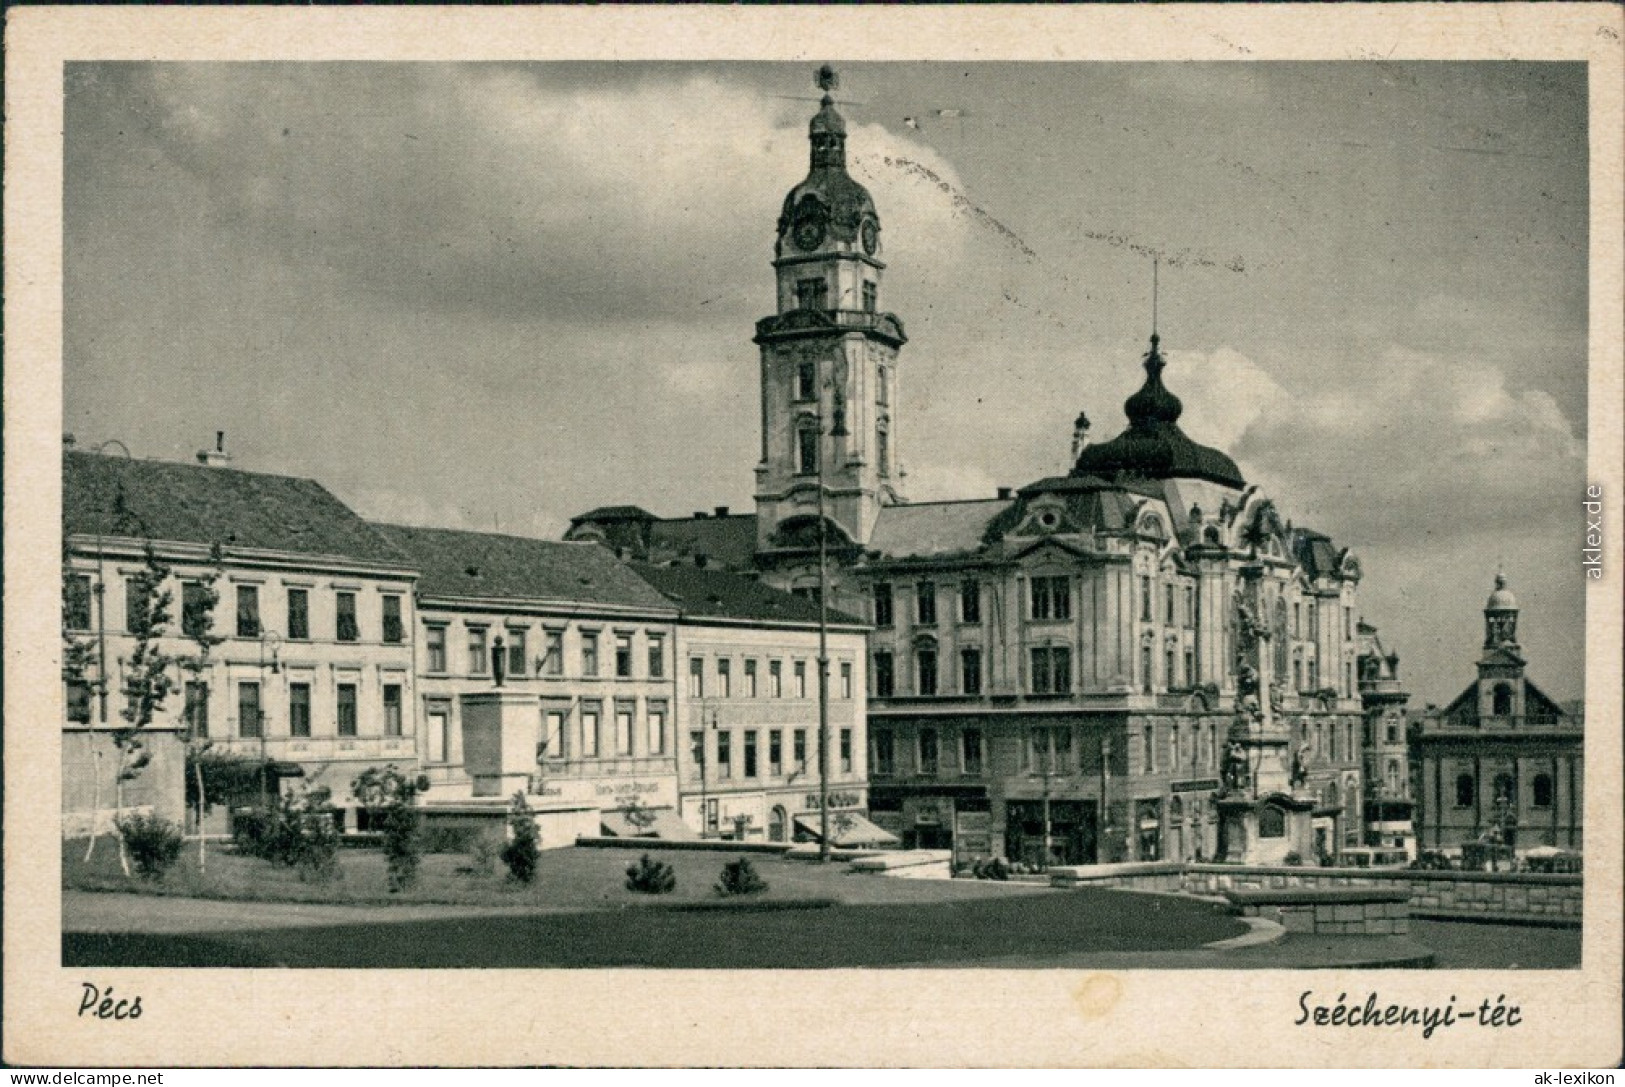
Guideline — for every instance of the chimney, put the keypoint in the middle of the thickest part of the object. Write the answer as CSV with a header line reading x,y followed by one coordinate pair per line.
x,y
1004,493
722,511
700,515
216,457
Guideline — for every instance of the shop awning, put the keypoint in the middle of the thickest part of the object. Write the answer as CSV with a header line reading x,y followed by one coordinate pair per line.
x,y
847,828
667,824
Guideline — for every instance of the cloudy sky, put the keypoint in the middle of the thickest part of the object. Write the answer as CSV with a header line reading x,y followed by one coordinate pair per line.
x,y
498,295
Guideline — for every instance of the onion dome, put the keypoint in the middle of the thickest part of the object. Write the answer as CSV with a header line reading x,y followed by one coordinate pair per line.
x,y
1501,599
1153,446
828,205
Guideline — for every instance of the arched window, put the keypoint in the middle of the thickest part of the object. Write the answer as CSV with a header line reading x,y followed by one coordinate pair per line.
x,y
776,821
1543,790
1502,700
1271,822
883,451
1393,777
807,447
1465,790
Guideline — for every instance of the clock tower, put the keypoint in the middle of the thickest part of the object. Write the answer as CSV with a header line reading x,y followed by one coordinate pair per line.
x,y
829,365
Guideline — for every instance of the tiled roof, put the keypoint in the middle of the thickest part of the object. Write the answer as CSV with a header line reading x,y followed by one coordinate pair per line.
x,y
934,529
202,504
485,565
718,594
614,513
729,542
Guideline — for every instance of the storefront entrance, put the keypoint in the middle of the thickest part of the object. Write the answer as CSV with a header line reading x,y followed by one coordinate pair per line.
x,y
1072,831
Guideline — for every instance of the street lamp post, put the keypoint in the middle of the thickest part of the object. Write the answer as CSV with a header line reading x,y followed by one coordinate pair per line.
x,y
270,641
837,430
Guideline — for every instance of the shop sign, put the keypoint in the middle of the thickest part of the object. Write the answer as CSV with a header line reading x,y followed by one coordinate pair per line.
x,y
836,800
973,833
1200,785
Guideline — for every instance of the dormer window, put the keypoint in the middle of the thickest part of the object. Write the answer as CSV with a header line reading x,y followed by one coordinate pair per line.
x,y
812,294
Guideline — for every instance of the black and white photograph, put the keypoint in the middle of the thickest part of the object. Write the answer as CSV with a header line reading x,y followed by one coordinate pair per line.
x,y
761,537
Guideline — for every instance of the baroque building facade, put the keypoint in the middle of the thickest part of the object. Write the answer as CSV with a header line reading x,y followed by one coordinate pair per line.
x,y
1503,762
1054,672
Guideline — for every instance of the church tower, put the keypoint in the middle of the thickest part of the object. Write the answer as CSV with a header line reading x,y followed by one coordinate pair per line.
x,y
1501,665
828,362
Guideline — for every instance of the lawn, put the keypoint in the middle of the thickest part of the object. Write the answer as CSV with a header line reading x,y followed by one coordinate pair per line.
x,y
572,878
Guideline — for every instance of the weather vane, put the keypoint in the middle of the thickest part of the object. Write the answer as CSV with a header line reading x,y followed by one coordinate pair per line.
x,y
828,79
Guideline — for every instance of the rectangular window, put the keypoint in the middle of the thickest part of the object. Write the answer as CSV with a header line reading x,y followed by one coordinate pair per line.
x,y
750,753
1051,598
623,730
696,677
76,602
811,294
589,731
347,705
553,734
928,752
883,607
1190,608
883,451
750,678
883,674
1168,610
846,680
725,755
434,644
775,752
970,671
806,381
299,709
1148,749
925,600
775,679
846,751
1348,624
345,627
1145,600
1297,618
623,656
1050,750
1051,670
478,664
589,652
394,630
799,749
801,678
883,387
657,728
194,607
970,755
925,666
1168,667
871,296
439,730
1190,667
518,657
392,709
807,450
132,605
299,614
725,684
553,653
970,602
657,656
249,720
1146,677
696,749
1314,675
882,763
197,710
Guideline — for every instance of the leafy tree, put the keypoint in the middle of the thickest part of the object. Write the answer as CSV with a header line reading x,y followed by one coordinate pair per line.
x,y
521,852
147,680
153,841
200,628
387,795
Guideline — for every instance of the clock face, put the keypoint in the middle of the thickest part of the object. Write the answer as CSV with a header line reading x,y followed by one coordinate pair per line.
x,y
871,237
809,233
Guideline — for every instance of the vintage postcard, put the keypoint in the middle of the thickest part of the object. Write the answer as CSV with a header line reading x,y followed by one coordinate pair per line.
x,y
1158,490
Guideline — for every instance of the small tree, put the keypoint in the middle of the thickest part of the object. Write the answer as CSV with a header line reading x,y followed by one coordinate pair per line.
x,y
153,841
523,848
199,626
387,795
147,681
740,878
651,877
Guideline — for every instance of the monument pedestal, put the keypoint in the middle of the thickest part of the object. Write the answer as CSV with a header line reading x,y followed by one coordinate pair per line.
x,y
500,729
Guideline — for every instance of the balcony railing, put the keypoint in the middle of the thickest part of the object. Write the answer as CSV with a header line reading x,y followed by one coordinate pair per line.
x,y
812,322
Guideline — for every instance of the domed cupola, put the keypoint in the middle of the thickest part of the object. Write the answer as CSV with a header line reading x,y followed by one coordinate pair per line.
x,y
1153,446
1153,405
828,211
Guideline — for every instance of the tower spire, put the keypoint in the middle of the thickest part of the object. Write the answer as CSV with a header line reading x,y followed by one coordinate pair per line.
x,y
1154,262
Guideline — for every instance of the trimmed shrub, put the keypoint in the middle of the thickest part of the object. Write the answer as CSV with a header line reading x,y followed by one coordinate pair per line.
x,y
153,842
450,839
1293,859
651,877
483,853
521,851
740,878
